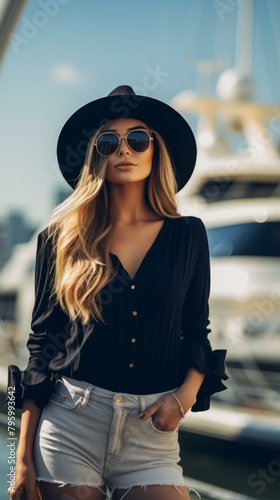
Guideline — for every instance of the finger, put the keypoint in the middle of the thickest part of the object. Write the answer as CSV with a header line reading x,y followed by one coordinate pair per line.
x,y
15,495
36,495
151,410
31,494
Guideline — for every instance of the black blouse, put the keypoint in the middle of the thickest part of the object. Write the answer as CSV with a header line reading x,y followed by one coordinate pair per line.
x,y
156,324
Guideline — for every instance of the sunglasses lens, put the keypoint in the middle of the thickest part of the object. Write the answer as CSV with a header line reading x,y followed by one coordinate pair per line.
x,y
138,140
107,144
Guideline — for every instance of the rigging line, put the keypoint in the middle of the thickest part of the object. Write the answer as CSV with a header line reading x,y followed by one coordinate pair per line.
x,y
273,18
190,40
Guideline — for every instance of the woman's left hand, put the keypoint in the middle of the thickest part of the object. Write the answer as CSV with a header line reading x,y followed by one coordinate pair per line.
x,y
166,413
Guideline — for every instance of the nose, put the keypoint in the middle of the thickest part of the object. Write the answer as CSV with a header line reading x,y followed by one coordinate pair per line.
x,y
123,147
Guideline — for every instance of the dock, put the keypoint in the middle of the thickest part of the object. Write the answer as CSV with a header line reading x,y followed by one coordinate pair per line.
x,y
247,426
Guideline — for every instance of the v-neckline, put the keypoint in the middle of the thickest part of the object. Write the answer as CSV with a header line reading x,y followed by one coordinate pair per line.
x,y
147,254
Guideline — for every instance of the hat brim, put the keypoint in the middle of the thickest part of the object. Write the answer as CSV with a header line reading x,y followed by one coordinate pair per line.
x,y
79,128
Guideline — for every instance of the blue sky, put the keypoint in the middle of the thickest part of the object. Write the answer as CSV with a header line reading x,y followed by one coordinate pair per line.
x,y
65,53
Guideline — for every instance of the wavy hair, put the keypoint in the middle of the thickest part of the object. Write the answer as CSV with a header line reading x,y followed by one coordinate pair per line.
x,y
81,227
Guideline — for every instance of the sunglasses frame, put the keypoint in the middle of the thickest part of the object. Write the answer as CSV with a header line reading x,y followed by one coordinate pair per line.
x,y
148,132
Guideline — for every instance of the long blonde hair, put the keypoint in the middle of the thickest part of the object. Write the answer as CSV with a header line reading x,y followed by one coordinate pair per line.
x,y
81,227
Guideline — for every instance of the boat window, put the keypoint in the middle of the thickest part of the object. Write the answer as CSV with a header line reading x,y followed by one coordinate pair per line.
x,y
248,239
7,306
221,189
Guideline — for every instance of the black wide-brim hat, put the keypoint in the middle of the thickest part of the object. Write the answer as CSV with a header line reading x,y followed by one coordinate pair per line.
x,y
124,103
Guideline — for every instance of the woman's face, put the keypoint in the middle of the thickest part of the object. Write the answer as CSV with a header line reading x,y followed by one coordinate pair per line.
x,y
126,165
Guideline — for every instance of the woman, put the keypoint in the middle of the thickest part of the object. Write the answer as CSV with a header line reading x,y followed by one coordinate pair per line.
x,y
119,350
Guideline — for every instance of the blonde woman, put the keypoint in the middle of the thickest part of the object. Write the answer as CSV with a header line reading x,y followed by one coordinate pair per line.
x,y
119,350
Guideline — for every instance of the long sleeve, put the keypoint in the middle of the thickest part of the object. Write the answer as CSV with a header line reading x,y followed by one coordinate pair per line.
x,y
196,349
36,382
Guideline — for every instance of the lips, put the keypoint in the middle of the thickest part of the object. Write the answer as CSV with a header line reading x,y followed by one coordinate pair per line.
x,y
125,164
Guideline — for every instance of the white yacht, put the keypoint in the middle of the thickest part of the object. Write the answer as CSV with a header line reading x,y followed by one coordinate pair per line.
x,y
236,191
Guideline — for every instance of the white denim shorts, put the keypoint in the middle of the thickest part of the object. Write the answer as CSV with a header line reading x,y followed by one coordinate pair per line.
x,y
89,436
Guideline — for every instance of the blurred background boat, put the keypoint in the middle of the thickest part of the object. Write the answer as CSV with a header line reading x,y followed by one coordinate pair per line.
x,y
237,196
235,189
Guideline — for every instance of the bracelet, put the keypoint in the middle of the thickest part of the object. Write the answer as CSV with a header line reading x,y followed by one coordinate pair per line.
x,y
181,409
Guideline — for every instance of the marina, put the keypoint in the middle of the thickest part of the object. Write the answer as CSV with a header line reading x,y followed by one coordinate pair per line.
x,y
232,451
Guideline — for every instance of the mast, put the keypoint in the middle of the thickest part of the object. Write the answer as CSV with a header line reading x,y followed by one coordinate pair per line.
x,y
9,13
244,37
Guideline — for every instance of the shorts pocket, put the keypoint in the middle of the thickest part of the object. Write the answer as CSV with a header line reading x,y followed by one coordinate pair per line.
x,y
150,420
65,397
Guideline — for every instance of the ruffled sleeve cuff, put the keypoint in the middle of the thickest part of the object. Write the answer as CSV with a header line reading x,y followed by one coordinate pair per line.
x,y
30,384
212,365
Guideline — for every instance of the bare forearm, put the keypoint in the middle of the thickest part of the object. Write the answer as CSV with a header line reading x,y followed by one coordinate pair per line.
x,y
29,423
187,392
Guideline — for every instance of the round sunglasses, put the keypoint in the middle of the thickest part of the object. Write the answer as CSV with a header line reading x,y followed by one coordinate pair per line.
x,y
108,143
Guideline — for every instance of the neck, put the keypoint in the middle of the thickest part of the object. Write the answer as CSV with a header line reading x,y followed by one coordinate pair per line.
x,y
127,202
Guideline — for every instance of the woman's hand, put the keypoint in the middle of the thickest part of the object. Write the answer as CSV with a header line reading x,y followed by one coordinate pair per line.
x,y
165,411
25,479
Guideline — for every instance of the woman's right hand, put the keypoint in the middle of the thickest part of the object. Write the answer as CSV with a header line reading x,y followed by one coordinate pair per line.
x,y
25,482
